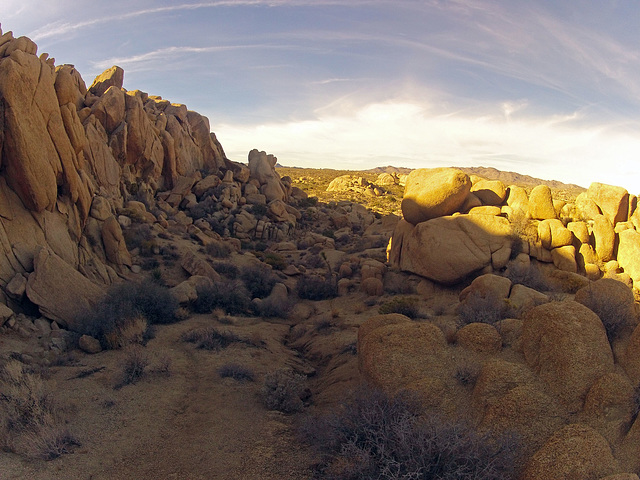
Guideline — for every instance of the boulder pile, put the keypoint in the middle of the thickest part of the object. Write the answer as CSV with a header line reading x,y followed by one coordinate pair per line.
x,y
454,227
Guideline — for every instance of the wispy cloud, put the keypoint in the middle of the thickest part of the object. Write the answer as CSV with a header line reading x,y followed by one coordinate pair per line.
x,y
59,27
414,135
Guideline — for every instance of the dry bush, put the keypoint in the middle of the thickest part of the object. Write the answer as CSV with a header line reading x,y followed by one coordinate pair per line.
x,y
210,338
259,280
285,391
237,372
31,422
119,319
376,436
314,287
407,306
232,297
218,250
132,367
126,332
483,308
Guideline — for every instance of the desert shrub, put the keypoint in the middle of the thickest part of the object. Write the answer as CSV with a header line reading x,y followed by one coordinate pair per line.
x,y
274,260
614,314
376,436
126,307
237,372
482,307
284,390
232,297
258,210
30,419
467,374
407,306
136,235
132,367
314,261
218,250
227,269
314,287
259,280
210,338
531,277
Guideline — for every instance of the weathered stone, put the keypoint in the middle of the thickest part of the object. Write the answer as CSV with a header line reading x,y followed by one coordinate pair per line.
x,y
17,286
432,193
518,200
613,201
566,344
575,452
524,298
5,314
113,76
115,247
89,344
541,203
480,338
488,284
604,238
628,249
448,249
553,234
372,286
564,258
61,292
490,192
198,266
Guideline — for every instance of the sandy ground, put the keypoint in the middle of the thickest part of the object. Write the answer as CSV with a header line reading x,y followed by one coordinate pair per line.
x,y
191,424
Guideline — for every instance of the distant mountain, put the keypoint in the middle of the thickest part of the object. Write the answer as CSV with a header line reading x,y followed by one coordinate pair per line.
x,y
513,178
490,173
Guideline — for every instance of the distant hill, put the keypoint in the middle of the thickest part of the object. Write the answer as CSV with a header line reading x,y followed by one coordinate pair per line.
x,y
513,178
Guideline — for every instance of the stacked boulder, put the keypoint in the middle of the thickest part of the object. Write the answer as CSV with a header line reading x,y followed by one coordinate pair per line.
x,y
455,226
80,164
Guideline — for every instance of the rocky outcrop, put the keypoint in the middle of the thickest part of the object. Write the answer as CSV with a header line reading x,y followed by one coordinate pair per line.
x,y
566,344
448,249
432,193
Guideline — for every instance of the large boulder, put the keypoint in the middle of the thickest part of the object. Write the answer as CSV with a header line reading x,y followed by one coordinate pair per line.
x,y
61,292
448,249
112,77
393,355
434,192
490,192
613,201
566,344
604,238
575,452
262,168
628,253
541,203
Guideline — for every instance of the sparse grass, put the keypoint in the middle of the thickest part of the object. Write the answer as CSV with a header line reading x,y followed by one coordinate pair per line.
x,y
30,419
211,338
376,436
237,372
285,391
314,287
407,306
132,367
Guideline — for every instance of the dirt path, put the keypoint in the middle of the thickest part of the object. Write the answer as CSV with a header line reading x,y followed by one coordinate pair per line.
x,y
190,425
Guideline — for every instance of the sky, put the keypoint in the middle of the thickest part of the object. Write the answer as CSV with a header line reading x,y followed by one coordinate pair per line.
x,y
546,88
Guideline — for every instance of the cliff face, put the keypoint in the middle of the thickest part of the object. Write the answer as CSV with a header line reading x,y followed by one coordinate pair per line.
x,y
69,156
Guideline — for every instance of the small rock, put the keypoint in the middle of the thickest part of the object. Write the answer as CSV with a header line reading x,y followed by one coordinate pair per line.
x,y
89,344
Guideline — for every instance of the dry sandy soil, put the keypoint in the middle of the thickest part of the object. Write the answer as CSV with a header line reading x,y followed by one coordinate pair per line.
x,y
191,423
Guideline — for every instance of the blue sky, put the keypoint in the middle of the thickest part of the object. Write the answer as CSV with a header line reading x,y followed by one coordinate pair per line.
x,y
545,88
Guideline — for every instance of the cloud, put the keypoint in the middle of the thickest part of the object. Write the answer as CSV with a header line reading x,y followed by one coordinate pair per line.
x,y
416,135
